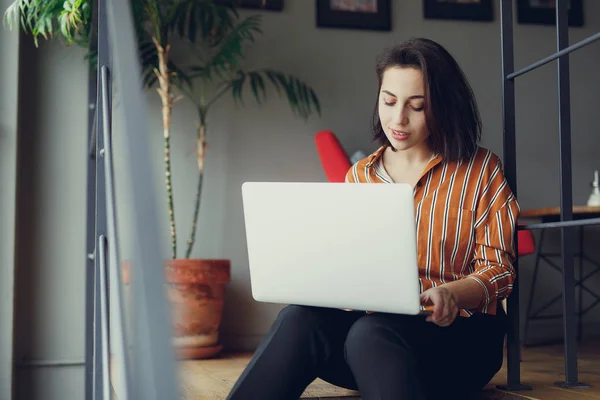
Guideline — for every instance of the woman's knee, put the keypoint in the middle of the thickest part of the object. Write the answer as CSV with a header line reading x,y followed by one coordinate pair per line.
x,y
297,318
367,335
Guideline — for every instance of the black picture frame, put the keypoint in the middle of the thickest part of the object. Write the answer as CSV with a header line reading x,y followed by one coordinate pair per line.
x,y
530,12
328,17
478,10
268,5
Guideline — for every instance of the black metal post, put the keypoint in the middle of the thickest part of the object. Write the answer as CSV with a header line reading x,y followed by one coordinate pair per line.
x,y
566,197
510,165
580,305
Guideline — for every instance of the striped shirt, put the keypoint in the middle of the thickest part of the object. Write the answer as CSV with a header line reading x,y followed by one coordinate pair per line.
x,y
465,220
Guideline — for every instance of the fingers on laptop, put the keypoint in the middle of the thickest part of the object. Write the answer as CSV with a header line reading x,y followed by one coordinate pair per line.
x,y
445,309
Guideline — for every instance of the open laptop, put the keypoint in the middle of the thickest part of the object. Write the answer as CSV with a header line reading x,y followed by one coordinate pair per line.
x,y
338,245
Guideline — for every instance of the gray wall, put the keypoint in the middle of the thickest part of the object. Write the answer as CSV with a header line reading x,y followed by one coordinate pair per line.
x,y
255,143
9,78
50,253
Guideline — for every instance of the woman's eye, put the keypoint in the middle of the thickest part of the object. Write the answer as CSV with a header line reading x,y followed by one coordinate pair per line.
x,y
389,103
417,108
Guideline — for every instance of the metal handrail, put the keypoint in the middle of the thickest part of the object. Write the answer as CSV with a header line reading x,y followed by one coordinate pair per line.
x,y
103,375
560,224
554,56
112,241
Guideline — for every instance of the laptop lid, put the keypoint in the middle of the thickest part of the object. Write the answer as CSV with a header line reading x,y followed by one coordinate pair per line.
x,y
334,245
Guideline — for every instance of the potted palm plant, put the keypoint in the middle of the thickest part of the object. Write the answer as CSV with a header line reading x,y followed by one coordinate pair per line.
x,y
220,37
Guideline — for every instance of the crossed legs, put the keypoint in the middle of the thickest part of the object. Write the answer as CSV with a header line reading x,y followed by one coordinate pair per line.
x,y
384,356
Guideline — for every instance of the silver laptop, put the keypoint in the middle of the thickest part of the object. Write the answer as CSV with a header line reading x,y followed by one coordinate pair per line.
x,y
338,245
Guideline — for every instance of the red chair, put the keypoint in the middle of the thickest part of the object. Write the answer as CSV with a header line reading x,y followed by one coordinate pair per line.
x,y
334,159
336,164
525,242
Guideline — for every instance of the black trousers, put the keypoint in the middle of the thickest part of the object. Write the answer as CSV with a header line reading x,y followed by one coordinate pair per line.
x,y
384,356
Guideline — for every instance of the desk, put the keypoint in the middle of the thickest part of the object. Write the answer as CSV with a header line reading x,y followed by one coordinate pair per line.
x,y
553,215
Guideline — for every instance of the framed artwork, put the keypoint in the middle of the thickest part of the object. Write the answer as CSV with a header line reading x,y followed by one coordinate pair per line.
x,y
270,5
470,10
543,12
354,14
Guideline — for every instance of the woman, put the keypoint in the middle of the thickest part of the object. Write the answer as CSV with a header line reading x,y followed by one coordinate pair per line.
x,y
427,122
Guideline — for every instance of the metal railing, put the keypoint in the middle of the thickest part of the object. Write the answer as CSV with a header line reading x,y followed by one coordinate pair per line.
x,y
566,198
144,364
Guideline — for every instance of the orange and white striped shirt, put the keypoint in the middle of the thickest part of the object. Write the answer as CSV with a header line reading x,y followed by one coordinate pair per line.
x,y
466,217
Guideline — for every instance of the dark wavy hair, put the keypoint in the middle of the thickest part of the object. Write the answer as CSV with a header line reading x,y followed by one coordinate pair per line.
x,y
451,112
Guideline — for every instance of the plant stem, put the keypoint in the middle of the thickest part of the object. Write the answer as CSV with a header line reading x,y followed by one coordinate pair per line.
x,y
166,95
225,88
192,238
200,153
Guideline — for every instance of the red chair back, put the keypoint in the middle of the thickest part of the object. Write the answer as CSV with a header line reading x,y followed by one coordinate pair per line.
x,y
526,243
334,159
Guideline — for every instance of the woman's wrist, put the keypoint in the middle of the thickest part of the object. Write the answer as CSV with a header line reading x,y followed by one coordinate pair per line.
x,y
467,293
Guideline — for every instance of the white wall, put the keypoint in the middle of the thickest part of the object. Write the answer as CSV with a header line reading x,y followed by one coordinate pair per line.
x,y
9,79
255,143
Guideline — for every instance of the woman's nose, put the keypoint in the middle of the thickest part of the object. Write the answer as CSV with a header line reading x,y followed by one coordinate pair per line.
x,y
401,118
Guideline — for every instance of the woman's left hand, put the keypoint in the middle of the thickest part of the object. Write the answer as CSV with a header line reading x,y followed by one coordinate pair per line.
x,y
445,308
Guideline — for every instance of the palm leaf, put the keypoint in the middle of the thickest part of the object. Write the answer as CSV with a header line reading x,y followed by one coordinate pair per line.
x,y
302,98
71,18
229,55
140,10
206,19
237,85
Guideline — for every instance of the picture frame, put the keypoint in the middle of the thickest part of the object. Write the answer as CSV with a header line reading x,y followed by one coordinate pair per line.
x,y
268,5
543,12
354,14
466,10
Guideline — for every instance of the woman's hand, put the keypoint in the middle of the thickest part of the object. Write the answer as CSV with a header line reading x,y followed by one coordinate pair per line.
x,y
445,308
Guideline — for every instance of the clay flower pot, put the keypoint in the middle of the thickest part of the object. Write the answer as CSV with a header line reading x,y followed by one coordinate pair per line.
x,y
196,291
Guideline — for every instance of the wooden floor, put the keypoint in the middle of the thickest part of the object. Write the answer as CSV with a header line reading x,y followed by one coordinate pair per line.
x,y
541,367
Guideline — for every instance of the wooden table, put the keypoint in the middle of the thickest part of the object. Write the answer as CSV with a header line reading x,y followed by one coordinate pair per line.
x,y
552,214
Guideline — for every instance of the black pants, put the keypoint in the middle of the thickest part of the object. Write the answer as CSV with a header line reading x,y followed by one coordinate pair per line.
x,y
384,356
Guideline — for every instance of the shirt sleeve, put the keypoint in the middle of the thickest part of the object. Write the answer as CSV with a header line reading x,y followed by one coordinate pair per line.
x,y
495,228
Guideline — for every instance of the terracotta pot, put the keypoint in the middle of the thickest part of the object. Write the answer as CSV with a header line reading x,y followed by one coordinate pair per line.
x,y
196,291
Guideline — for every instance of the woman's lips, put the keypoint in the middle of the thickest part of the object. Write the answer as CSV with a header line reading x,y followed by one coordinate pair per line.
x,y
399,135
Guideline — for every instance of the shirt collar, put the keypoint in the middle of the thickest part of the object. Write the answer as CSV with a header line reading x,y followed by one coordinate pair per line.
x,y
375,156
372,159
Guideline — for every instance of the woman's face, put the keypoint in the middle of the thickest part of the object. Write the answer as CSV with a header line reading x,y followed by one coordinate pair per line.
x,y
401,107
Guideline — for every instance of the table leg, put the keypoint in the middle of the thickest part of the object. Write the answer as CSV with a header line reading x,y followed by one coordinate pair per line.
x,y
580,307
